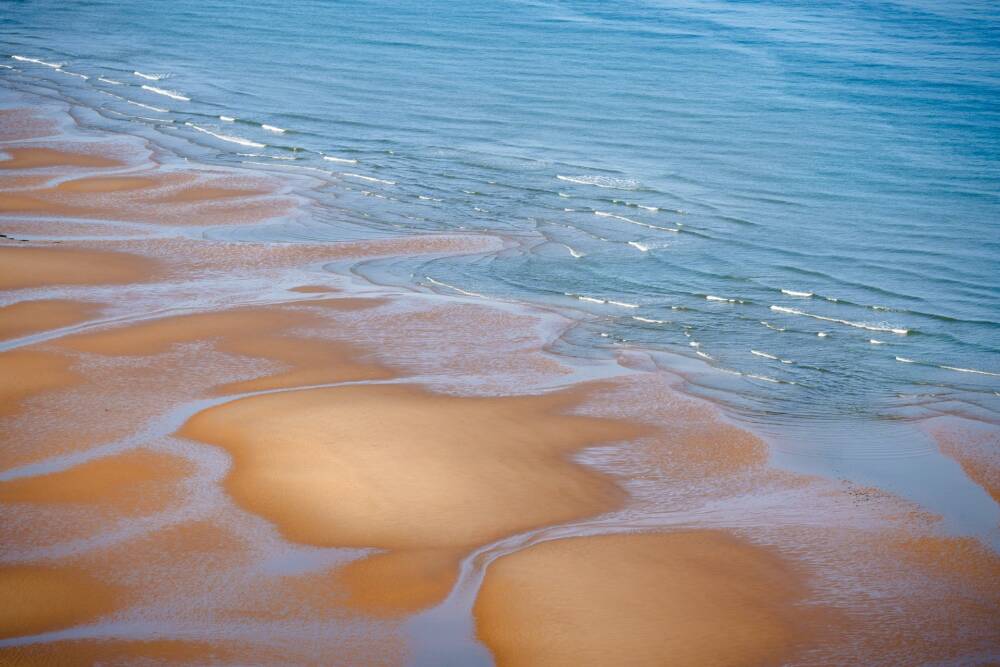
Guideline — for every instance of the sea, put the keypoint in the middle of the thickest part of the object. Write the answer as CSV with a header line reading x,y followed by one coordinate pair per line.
x,y
793,205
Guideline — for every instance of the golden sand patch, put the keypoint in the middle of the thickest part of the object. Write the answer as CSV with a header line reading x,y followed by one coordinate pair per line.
x,y
685,598
42,599
403,469
29,317
261,333
33,266
35,157
132,483
24,374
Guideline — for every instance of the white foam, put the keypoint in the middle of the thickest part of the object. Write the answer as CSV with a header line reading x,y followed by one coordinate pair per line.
x,y
763,377
149,77
370,179
822,334
563,195
771,326
610,302
452,287
876,342
694,344
272,128
605,214
227,119
639,246
970,370
147,106
111,81
764,354
26,59
654,209
790,292
343,160
905,360
166,93
601,181
575,253
649,320
79,76
225,137
858,325
702,354
712,297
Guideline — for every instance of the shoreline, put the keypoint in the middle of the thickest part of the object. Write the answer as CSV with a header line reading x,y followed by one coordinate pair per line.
x,y
685,465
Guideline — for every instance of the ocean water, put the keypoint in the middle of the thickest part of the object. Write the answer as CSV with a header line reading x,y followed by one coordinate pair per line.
x,y
801,198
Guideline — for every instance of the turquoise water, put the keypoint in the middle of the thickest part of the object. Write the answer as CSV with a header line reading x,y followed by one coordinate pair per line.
x,y
803,195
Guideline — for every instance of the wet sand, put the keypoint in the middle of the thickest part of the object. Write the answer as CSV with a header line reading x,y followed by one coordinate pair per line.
x,y
223,452
683,598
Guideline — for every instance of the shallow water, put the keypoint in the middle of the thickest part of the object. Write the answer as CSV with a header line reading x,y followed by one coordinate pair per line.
x,y
804,196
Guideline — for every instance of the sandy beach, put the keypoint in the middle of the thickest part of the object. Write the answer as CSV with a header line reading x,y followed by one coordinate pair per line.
x,y
223,452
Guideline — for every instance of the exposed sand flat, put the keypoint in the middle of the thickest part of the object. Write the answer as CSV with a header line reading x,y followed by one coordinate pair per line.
x,y
32,266
403,469
685,598
26,373
34,157
975,447
133,482
42,599
262,333
28,317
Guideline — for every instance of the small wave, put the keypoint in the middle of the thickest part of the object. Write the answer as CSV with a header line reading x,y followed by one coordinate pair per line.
x,y
764,378
876,342
601,181
648,319
576,254
269,157
147,106
703,355
611,302
225,137
79,76
111,81
227,119
969,370
794,293
904,360
452,287
26,59
272,128
822,334
605,214
639,246
771,326
712,297
694,344
652,209
370,179
166,93
149,77
767,355
563,195
343,160
858,325
426,198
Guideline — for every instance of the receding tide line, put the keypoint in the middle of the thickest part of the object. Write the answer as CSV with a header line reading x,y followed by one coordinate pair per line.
x,y
857,325
452,287
610,302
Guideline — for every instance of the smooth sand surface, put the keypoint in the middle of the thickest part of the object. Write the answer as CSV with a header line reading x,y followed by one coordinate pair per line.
x,y
34,266
133,482
403,469
34,157
28,317
686,598
24,374
42,599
